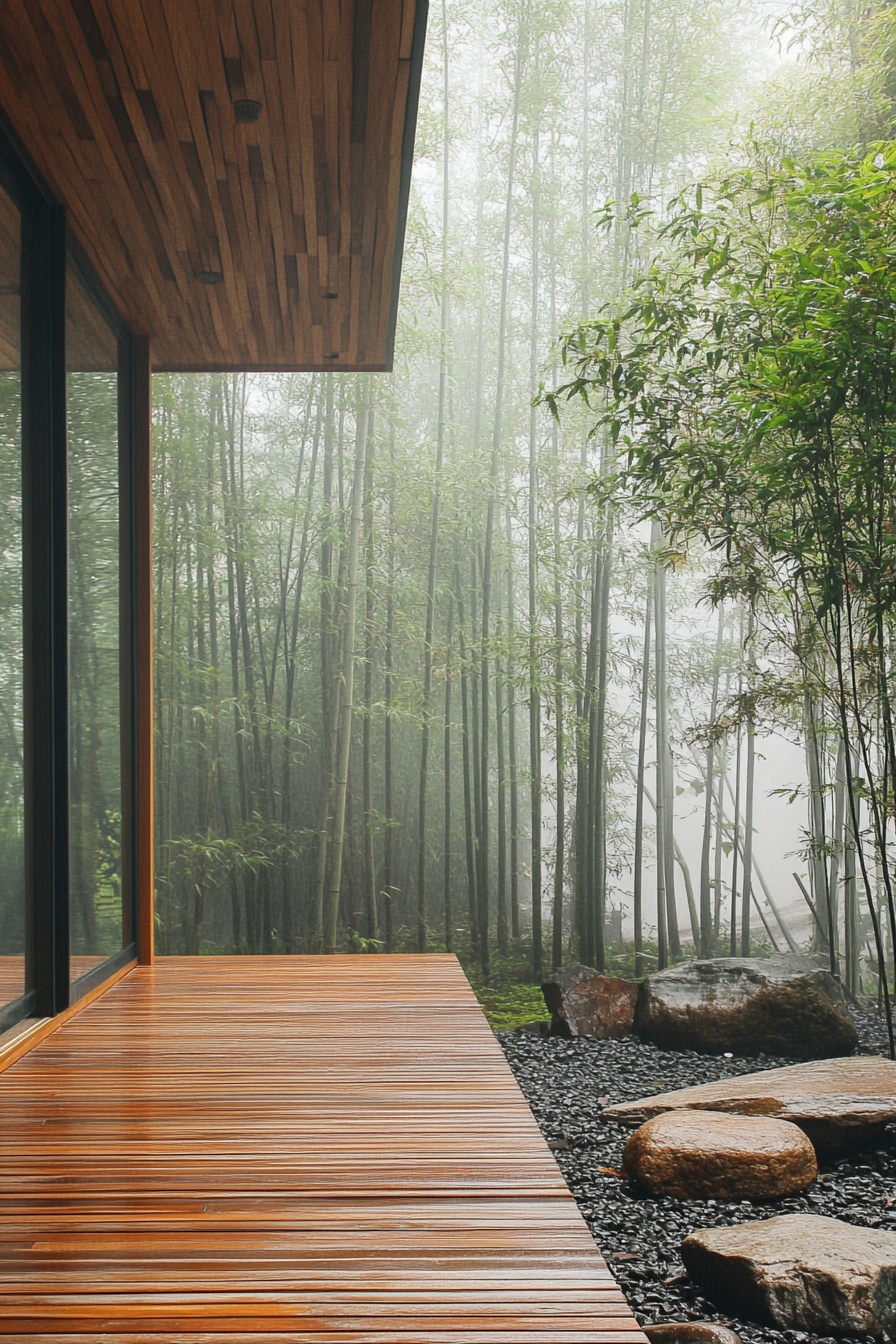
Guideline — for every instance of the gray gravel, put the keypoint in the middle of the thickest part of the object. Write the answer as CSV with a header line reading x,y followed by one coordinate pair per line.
x,y
568,1083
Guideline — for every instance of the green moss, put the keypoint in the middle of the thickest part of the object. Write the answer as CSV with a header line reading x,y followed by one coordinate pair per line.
x,y
509,995
508,1005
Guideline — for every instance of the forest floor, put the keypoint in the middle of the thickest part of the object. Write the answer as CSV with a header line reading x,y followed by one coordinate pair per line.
x,y
508,995
568,1083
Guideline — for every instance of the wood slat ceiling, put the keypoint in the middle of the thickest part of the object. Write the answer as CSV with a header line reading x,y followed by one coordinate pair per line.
x,y
272,243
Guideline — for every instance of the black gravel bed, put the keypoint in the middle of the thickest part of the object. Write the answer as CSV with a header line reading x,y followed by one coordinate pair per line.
x,y
567,1083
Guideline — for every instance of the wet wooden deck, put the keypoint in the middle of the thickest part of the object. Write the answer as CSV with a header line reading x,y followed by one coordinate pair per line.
x,y
300,1149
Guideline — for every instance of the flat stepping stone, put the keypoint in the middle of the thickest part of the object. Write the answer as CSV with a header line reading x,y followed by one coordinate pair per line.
x,y
799,1272
691,1155
839,1103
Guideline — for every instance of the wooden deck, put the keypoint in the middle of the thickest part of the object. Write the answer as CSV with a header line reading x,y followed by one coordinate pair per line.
x,y
302,1149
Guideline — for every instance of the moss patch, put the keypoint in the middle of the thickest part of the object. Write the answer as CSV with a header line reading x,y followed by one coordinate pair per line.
x,y
508,995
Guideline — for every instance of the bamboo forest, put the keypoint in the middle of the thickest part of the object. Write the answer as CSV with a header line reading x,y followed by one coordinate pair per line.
x,y
571,638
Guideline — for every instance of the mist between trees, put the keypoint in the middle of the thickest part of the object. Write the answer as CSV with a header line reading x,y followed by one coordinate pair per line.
x,y
433,664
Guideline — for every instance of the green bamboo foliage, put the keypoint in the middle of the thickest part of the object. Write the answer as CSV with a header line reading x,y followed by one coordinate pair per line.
x,y
423,681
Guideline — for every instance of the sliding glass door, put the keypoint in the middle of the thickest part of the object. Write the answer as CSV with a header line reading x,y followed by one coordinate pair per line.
x,y
68,781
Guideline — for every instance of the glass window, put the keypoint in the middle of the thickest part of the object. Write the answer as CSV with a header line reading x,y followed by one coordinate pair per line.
x,y
12,839
94,639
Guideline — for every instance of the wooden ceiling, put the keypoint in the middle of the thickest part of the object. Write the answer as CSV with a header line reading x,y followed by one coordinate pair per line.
x,y
236,171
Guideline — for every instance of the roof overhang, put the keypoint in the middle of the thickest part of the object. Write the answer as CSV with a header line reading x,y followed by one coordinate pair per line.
x,y
236,171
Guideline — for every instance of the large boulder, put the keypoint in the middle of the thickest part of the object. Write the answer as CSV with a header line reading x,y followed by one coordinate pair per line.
x,y
702,1154
582,1002
839,1103
780,1006
799,1272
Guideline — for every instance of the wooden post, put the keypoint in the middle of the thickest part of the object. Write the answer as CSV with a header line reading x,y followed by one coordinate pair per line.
x,y
144,679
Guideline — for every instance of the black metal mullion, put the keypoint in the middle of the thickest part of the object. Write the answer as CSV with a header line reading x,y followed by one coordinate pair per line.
x,y
45,602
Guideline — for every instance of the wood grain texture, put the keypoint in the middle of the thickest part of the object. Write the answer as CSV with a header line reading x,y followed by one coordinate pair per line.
x,y
288,1148
232,243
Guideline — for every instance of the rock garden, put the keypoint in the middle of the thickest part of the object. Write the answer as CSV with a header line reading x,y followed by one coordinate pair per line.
x,y
728,1130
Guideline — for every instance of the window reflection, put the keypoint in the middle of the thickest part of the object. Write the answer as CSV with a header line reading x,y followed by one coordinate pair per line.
x,y
12,843
94,672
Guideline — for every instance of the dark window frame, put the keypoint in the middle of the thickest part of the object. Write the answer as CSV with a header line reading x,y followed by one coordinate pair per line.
x,y
47,251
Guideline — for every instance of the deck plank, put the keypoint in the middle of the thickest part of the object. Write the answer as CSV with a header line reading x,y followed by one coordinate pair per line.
x,y
287,1148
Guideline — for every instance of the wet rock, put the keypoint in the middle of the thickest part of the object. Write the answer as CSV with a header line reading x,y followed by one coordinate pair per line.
x,y
786,1006
799,1272
582,1002
690,1332
569,1084
839,1103
702,1154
